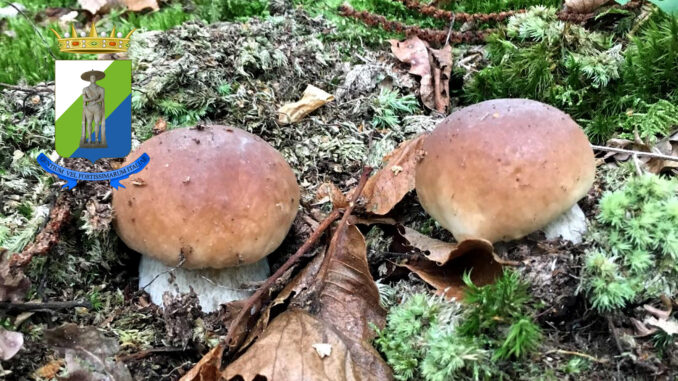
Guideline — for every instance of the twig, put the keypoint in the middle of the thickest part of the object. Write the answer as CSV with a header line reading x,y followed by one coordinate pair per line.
x,y
35,28
636,164
584,355
632,152
432,11
426,34
35,89
148,352
250,304
49,236
182,260
38,306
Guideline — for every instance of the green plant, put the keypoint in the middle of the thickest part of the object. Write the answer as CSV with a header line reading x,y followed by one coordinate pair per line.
x,y
635,244
390,106
586,74
428,338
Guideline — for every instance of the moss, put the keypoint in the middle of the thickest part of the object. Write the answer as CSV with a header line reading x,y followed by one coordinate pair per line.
x,y
635,253
432,339
606,88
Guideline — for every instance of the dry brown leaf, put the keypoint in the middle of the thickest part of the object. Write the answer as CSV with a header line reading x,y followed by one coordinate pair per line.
x,y
49,370
208,368
439,251
160,126
668,146
104,6
447,279
441,68
140,5
345,301
584,6
10,343
391,183
434,66
312,99
14,283
329,192
89,354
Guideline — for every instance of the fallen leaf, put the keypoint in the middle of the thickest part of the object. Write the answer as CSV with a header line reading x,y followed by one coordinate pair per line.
x,y
670,326
160,126
441,69
667,146
49,370
140,5
439,251
14,283
312,99
89,354
345,301
584,6
434,66
329,192
208,368
104,6
387,187
447,279
10,343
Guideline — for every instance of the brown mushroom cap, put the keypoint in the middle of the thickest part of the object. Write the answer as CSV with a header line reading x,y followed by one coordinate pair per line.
x,y
219,196
504,168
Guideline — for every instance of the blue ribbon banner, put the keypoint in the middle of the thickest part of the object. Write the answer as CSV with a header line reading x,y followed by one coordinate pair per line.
x,y
72,177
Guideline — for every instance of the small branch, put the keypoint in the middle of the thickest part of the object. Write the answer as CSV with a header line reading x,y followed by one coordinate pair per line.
x,y
584,355
40,306
426,34
148,352
639,153
48,237
250,307
35,89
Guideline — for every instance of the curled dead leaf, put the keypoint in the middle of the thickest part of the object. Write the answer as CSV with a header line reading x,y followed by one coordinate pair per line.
x,y
667,146
208,368
474,256
388,186
14,283
584,6
10,343
434,66
329,192
439,251
312,99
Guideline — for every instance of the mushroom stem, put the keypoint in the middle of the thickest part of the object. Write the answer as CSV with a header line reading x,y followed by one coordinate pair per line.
x,y
213,286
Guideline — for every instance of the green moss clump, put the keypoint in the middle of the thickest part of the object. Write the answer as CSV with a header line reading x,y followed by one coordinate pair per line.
x,y
428,338
635,245
587,74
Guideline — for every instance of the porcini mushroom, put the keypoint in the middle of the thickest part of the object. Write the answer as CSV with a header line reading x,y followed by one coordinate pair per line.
x,y
212,201
501,169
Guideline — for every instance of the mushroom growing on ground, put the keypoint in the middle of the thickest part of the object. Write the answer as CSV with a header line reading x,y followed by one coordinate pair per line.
x,y
208,208
502,169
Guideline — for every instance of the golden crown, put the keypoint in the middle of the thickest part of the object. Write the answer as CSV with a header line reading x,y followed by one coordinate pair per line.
x,y
93,43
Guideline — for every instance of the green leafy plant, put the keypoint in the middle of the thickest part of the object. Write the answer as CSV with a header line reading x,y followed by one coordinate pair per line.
x,y
635,253
429,338
390,106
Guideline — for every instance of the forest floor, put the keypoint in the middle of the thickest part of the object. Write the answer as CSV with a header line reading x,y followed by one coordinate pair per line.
x,y
239,73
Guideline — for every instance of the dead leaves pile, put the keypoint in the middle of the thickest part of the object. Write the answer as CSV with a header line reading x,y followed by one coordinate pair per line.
x,y
434,66
89,355
667,146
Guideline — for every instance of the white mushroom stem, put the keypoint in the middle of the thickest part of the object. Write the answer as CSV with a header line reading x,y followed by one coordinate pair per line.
x,y
570,226
213,287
